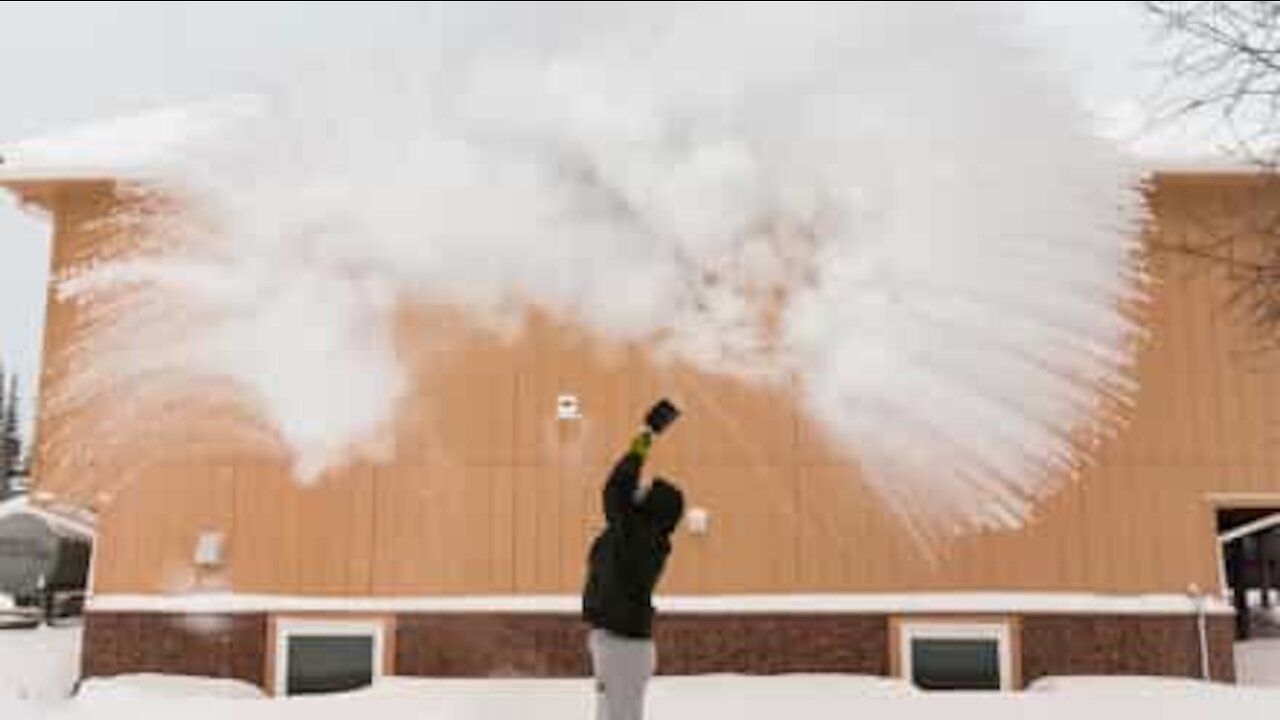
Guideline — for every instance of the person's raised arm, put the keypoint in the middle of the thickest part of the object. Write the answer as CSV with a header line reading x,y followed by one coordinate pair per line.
x,y
620,490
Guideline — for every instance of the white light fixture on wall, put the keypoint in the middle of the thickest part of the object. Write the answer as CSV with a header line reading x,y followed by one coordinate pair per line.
x,y
568,407
209,549
697,520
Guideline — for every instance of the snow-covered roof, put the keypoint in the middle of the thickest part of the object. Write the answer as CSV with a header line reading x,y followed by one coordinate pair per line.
x,y
60,522
132,147
123,148
1262,524
1206,165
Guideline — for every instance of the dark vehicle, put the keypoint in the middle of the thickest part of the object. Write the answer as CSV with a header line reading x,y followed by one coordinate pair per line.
x,y
44,564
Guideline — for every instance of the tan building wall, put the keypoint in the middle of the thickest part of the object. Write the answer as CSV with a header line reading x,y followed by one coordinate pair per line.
x,y
490,494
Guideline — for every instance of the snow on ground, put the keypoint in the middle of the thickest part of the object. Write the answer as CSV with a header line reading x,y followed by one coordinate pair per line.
x,y
38,664
1258,662
172,687
742,698
37,671
1129,686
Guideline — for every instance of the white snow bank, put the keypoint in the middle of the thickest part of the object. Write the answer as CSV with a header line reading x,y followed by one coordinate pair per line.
x,y
39,664
862,685
1127,686
804,697
145,686
705,696
701,698
1258,662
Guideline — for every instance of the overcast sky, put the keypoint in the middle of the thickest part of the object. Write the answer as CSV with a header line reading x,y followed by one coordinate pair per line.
x,y
67,63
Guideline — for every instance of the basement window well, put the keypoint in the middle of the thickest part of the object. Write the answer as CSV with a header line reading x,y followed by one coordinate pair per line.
x,y
325,656
956,656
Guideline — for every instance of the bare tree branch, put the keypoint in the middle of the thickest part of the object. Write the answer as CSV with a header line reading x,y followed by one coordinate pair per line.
x,y
1224,63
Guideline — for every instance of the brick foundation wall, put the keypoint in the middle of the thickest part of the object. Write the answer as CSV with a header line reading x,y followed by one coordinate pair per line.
x,y
773,644
1124,645
490,645
555,645
518,644
224,646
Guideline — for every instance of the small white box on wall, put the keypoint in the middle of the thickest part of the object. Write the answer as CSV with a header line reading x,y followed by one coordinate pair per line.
x,y
568,407
697,520
209,549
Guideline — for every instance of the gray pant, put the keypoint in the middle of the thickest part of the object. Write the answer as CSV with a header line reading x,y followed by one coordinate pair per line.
x,y
622,668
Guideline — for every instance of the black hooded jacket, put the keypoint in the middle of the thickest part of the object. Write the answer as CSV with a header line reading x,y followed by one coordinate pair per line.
x,y
628,557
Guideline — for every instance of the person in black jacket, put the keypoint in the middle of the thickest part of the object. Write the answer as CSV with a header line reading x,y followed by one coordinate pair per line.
x,y
624,566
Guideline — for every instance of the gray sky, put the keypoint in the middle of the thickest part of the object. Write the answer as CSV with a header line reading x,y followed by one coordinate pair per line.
x,y
71,62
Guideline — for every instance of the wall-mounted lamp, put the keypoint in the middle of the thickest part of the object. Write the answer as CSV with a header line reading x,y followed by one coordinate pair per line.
x,y
568,407
210,548
697,520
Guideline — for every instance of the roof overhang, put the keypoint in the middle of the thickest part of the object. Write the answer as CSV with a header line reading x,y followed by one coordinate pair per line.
x,y
62,523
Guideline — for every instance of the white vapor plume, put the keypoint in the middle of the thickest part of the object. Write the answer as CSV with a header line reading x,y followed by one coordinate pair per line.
x,y
896,205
